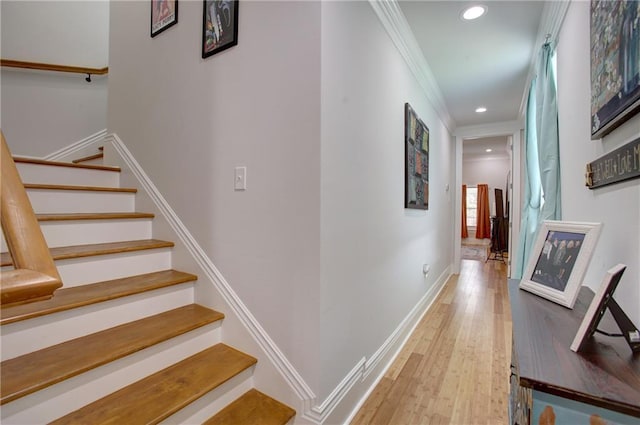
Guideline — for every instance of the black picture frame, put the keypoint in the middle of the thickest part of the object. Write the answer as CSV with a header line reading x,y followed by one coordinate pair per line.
x,y
164,15
615,65
597,307
416,161
219,26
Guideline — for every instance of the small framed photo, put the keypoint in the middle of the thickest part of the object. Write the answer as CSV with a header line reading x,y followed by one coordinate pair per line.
x,y
219,26
597,307
559,259
164,14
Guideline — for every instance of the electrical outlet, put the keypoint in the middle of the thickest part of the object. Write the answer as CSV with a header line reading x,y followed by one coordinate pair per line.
x,y
240,178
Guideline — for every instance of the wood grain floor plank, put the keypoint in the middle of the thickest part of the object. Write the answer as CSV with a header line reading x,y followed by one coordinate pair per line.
x,y
40,186
253,408
78,296
79,251
37,370
158,396
459,354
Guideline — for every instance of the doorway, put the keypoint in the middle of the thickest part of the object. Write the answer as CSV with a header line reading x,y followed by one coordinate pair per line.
x,y
488,160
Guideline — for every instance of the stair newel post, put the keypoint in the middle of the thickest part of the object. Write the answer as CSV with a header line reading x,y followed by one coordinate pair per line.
x,y
35,275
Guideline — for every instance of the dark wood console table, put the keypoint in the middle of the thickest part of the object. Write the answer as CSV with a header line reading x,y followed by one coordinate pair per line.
x,y
603,379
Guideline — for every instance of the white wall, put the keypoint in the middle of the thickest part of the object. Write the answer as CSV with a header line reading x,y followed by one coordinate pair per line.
x,y
319,247
59,32
373,249
44,111
189,121
616,206
490,170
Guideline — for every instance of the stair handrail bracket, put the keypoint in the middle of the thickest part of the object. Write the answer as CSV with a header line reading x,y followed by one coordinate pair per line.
x,y
35,276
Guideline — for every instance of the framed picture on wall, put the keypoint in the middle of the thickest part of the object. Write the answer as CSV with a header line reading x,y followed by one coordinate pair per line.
x,y
219,26
559,259
164,14
416,154
615,64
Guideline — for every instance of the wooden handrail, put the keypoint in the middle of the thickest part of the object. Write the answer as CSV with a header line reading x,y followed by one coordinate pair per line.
x,y
53,67
35,275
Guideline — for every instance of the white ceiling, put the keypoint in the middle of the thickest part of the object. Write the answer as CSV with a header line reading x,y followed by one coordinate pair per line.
x,y
477,148
484,62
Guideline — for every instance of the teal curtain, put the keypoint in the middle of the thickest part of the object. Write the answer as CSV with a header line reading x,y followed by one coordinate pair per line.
x,y
547,135
532,194
542,197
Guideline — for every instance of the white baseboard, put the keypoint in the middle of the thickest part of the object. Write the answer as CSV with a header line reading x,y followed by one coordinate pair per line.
x,y
381,360
76,147
364,375
261,337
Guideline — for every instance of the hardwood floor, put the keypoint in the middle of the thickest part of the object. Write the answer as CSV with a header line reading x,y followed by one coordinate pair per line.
x,y
454,368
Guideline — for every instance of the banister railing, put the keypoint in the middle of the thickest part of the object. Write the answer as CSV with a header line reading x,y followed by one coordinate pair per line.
x,y
53,67
35,275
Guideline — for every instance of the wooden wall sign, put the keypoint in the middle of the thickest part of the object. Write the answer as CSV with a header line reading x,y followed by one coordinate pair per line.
x,y
614,167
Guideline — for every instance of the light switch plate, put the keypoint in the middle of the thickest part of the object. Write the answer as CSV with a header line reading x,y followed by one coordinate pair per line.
x,y
240,178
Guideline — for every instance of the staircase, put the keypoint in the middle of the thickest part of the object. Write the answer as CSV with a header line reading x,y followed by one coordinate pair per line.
x,y
123,341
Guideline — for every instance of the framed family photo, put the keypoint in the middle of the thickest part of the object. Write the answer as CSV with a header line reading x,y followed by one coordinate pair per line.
x,y
164,14
559,260
219,26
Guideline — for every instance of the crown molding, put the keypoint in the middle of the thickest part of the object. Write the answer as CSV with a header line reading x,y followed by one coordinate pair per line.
x,y
396,25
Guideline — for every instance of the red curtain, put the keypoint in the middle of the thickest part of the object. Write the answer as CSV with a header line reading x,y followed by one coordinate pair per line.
x,y
465,231
483,227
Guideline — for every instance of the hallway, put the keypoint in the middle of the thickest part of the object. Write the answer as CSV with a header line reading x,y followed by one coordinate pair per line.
x,y
454,368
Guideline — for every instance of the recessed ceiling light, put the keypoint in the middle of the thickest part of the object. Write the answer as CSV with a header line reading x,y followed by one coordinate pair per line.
x,y
481,109
474,12
487,150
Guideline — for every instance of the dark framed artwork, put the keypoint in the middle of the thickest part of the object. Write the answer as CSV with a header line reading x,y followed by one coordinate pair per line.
x,y
164,14
416,154
615,64
219,26
559,260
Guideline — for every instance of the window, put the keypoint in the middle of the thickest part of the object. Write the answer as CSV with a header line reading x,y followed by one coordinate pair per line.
x,y
472,206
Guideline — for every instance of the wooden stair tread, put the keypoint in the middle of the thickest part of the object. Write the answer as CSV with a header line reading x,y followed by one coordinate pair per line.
x,y
88,158
37,370
78,251
91,216
253,407
78,296
18,159
79,188
158,396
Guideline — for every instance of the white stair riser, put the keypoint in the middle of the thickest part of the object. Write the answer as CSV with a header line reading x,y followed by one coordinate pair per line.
x,y
50,174
80,271
81,232
214,401
65,397
80,201
26,336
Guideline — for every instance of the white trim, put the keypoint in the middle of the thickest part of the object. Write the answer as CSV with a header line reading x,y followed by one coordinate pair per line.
x,y
396,25
77,146
404,331
312,411
272,351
